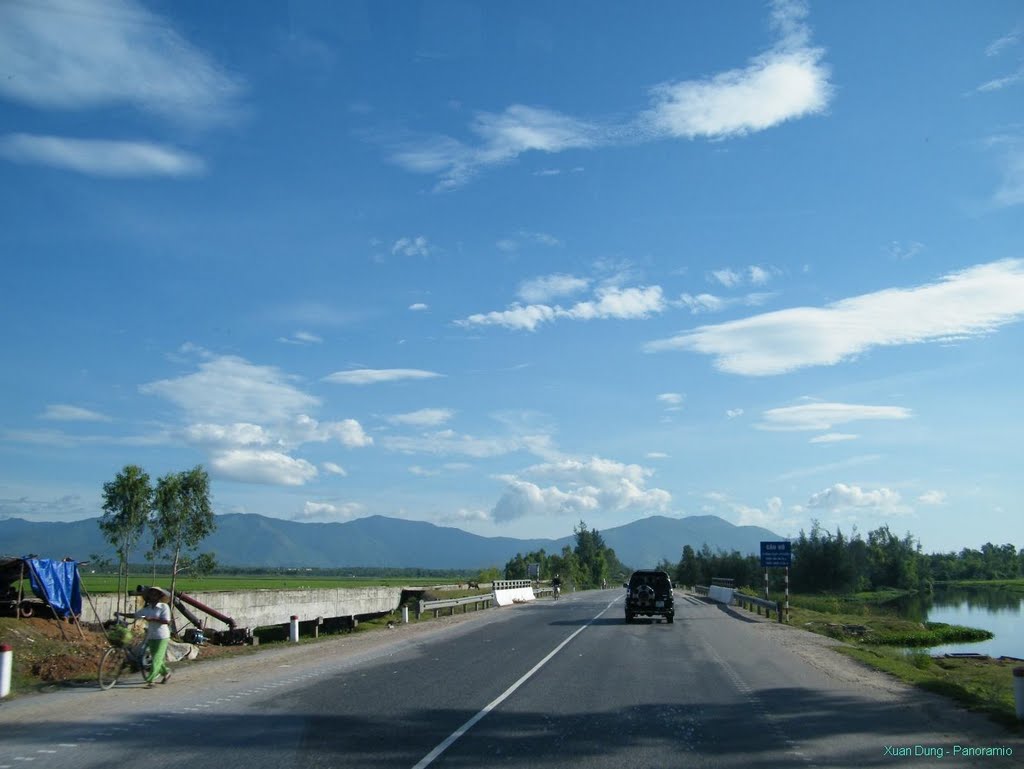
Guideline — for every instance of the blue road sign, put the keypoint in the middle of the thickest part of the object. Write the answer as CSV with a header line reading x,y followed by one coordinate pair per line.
x,y
776,555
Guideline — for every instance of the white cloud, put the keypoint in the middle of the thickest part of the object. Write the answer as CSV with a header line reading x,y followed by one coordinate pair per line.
x,y
446,442
975,301
501,138
727,277
304,429
547,287
423,417
418,307
229,389
585,486
710,303
841,496
270,467
656,455
932,497
99,157
999,45
235,435
833,438
905,251
326,512
609,303
423,472
365,376
671,399
301,338
787,82
417,246
999,83
333,469
733,413
702,303
60,412
1011,190
82,54
466,515
823,416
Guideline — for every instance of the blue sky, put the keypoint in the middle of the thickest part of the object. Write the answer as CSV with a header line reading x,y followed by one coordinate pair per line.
x,y
510,266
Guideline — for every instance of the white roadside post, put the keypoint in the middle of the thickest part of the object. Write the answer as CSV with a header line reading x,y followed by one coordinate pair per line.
x,y
6,662
293,631
405,615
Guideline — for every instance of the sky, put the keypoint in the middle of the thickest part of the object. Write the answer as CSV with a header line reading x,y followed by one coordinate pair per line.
x,y
509,267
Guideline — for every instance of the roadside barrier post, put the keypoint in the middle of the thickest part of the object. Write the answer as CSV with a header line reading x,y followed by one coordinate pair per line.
x,y
293,631
6,662
1018,691
405,615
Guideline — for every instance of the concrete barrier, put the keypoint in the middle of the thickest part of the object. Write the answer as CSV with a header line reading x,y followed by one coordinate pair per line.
x,y
720,594
509,591
261,608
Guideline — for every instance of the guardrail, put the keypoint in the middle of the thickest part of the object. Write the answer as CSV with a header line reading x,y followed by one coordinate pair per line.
x,y
453,603
751,603
748,602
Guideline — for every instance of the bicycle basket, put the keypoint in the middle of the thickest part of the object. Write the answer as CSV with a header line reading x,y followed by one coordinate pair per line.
x,y
120,636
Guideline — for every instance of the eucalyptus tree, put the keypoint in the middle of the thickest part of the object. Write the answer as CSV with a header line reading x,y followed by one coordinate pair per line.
x,y
127,502
182,518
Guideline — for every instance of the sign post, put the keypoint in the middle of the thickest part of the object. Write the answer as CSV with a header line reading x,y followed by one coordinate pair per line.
x,y
777,555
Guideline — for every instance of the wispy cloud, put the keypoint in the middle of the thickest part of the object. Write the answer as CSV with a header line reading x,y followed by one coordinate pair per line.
x,y
61,412
608,302
302,338
833,438
702,303
822,416
365,376
975,301
417,246
100,157
548,287
334,469
423,417
1000,44
328,512
74,54
1011,190
787,82
418,307
932,497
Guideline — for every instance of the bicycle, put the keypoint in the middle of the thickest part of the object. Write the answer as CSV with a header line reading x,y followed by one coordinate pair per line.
x,y
123,657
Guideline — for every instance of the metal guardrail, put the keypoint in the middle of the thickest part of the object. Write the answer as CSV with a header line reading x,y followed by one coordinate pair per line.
x,y
752,603
749,602
453,603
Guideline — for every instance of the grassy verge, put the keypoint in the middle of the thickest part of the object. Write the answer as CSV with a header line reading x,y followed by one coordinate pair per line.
x,y
871,631
984,686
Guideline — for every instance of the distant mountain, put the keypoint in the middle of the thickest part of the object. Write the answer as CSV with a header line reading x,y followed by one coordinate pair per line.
x,y
256,540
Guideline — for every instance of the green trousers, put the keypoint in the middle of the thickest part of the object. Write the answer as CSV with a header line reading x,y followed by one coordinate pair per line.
x,y
158,649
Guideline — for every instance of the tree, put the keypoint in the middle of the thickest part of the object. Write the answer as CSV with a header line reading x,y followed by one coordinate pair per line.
x,y
183,518
127,501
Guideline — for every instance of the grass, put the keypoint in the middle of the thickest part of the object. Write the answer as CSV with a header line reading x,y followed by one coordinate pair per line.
x,y
983,685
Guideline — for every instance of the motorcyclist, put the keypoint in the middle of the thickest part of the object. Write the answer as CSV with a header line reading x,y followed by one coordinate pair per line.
x,y
556,586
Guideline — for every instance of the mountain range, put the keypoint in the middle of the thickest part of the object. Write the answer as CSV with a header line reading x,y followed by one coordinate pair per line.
x,y
259,541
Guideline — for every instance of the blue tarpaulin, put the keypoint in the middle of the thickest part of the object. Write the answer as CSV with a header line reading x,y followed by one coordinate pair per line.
x,y
57,583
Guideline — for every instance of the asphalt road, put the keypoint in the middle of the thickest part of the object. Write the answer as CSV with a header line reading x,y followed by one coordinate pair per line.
x,y
548,684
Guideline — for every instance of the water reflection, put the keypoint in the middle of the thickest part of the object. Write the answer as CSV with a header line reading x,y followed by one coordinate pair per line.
x,y
993,609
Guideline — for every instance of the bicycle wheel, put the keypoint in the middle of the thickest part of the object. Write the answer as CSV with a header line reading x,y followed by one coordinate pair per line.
x,y
112,664
146,663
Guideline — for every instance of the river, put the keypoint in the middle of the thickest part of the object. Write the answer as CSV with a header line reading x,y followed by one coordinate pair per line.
x,y
993,609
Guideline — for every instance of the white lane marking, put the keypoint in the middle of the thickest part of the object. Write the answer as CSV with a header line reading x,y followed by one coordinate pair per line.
x,y
428,759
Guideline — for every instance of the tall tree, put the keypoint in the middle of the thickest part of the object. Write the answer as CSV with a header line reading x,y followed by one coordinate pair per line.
x,y
183,517
127,501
